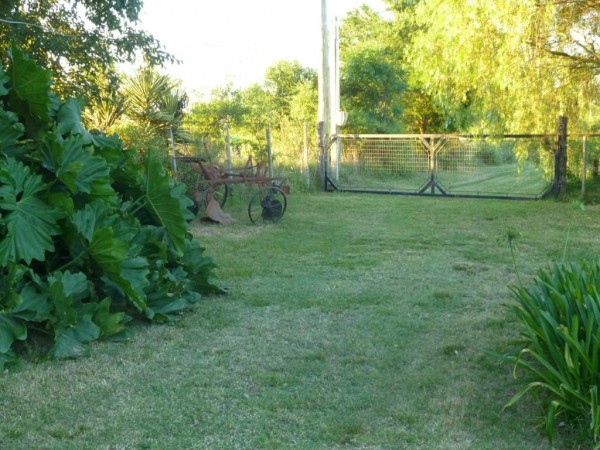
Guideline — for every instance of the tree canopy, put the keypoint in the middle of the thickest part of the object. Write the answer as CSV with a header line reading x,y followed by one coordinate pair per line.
x,y
78,40
512,66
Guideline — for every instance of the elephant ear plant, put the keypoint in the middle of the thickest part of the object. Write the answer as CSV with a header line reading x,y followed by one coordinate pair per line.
x,y
89,237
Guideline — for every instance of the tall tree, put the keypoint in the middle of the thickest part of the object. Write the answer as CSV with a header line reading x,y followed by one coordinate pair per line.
x,y
78,39
207,119
282,83
498,59
372,76
570,31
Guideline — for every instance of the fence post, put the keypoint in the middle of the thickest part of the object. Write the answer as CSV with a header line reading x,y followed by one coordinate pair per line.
x,y
560,186
305,159
322,138
584,168
173,151
269,151
227,147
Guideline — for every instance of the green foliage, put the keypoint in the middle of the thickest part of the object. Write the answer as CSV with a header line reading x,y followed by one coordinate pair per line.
x,y
225,106
503,66
88,235
371,87
372,74
560,317
284,103
79,41
152,104
165,208
282,82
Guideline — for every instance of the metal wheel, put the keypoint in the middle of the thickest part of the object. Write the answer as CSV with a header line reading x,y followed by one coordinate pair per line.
x,y
267,205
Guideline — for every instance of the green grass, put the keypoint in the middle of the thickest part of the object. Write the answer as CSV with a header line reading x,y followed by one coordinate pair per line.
x,y
506,180
358,322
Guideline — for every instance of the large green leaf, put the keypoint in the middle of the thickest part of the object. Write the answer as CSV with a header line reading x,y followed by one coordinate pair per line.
x,y
69,120
11,131
76,166
72,342
30,222
75,286
32,305
10,330
109,323
199,268
4,78
64,313
7,357
180,193
30,86
109,252
165,208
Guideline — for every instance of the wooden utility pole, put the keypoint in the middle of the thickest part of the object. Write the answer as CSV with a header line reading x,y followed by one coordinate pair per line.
x,y
324,119
335,103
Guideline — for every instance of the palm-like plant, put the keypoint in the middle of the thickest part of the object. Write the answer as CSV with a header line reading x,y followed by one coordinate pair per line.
x,y
154,102
101,114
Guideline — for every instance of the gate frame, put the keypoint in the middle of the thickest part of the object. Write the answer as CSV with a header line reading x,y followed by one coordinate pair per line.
x,y
557,187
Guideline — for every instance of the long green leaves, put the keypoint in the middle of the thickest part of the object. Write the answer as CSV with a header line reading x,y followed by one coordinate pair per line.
x,y
164,207
560,316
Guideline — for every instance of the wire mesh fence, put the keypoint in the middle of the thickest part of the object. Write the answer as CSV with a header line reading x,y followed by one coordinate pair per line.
x,y
584,165
513,166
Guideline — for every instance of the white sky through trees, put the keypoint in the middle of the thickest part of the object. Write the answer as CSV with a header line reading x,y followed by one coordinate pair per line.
x,y
221,41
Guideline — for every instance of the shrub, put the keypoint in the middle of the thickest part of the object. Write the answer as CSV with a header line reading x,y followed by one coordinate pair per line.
x,y
88,235
560,355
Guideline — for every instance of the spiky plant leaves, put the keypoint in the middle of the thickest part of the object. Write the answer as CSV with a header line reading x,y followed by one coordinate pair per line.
x,y
560,316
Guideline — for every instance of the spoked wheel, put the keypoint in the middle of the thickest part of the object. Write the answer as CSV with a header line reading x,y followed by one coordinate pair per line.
x,y
267,205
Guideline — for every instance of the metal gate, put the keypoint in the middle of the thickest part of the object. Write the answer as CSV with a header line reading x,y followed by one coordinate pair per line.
x,y
514,166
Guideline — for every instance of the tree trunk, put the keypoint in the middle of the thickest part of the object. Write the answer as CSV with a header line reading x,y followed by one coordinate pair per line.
x,y
561,158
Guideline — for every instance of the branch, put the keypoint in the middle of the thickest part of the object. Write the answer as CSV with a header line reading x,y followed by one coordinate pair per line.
x,y
41,27
578,62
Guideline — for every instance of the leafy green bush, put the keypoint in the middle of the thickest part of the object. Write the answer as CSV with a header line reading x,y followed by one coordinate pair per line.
x,y
88,236
560,314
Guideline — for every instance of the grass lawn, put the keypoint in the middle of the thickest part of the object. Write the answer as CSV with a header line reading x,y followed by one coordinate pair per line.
x,y
517,180
358,322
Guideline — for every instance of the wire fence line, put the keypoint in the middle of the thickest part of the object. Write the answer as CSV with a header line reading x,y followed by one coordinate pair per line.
x,y
513,166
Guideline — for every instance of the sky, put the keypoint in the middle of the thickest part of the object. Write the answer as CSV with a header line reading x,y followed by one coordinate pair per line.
x,y
223,41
